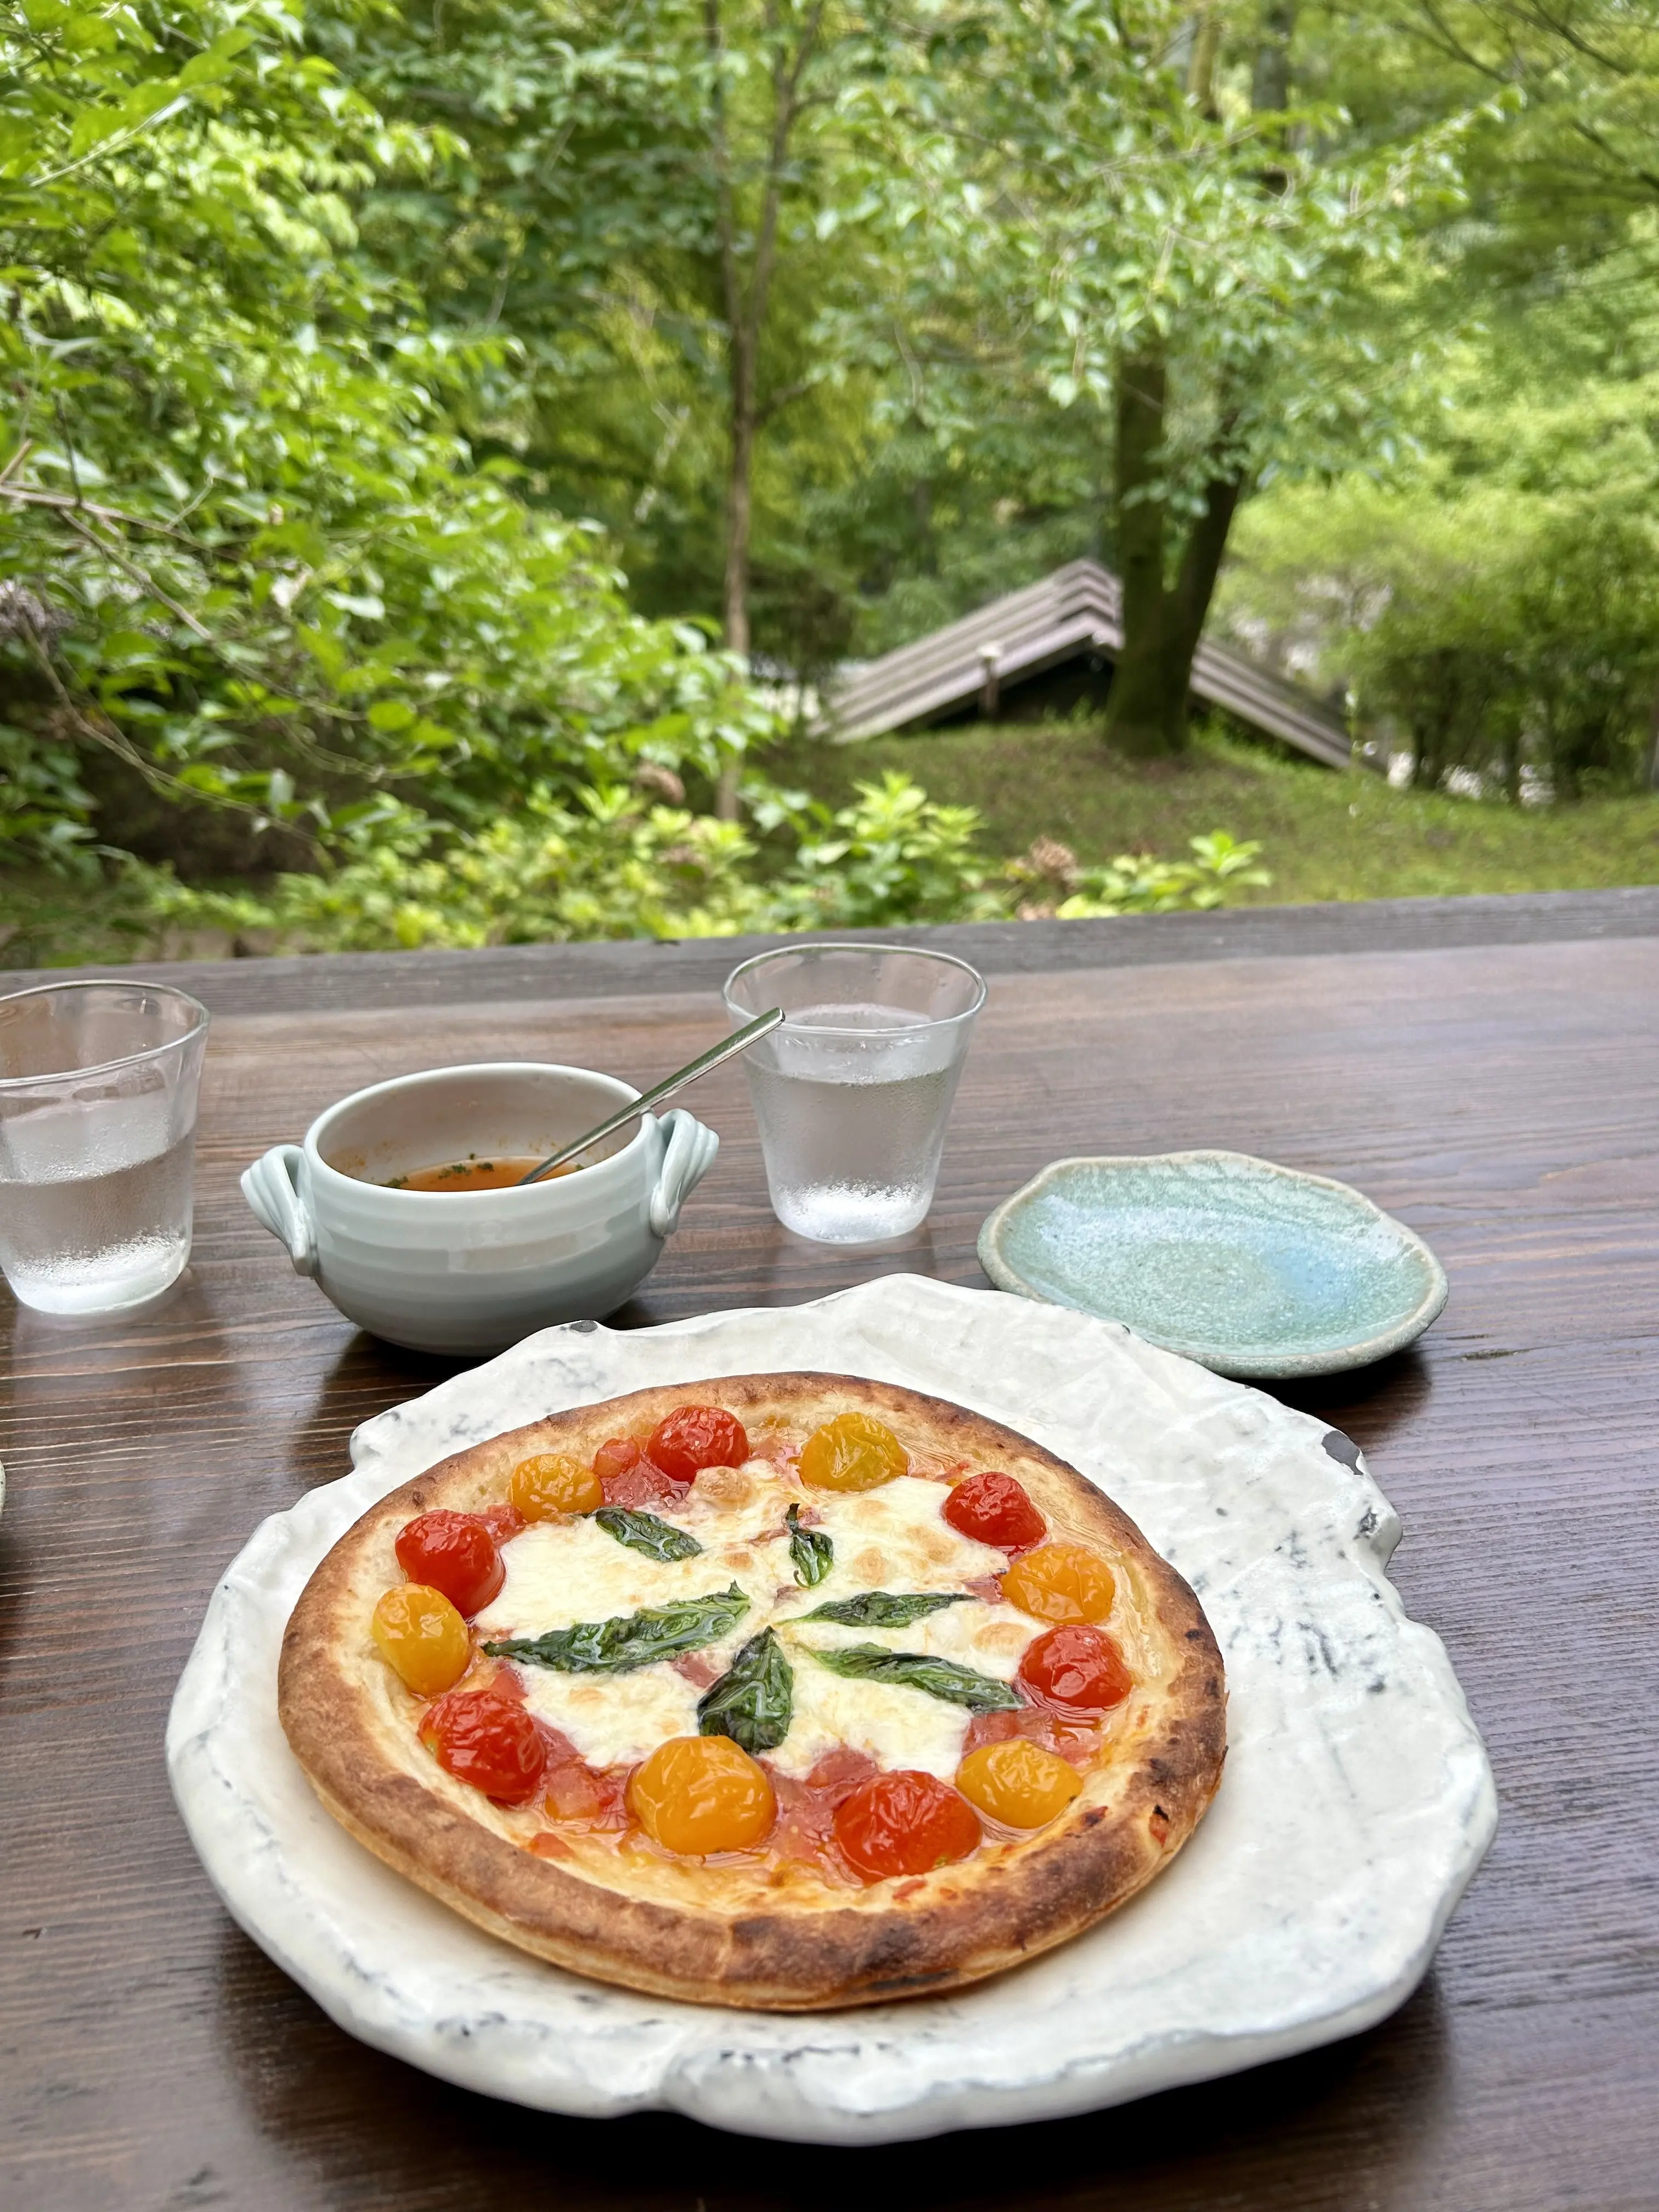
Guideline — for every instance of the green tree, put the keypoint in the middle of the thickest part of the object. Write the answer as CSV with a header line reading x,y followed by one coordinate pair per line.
x,y
642,201
247,557
1122,210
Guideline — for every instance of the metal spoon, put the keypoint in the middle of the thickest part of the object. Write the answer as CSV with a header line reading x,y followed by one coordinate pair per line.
x,y
739,1041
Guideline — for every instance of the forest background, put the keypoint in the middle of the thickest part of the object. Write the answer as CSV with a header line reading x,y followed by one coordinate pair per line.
x,y
448,445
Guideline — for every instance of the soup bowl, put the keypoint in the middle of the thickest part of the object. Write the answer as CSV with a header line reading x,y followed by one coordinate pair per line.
x,y
472,1271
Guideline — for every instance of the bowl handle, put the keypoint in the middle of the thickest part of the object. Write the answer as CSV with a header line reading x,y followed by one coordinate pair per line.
x,y
271,1188
690,1155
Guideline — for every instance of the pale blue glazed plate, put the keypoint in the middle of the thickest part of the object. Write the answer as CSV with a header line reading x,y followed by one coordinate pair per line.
x,y
1254,1270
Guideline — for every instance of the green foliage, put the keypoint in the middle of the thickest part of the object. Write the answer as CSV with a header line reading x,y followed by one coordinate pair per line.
x,y
348,355
612,864
1327,836
1054,883
1481,627
607,865
1132,886
893,855
247,554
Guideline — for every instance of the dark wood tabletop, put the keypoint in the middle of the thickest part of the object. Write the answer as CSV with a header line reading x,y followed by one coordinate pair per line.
x,y
1487,1069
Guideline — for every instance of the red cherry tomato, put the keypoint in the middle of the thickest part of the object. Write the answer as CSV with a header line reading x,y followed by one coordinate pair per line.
x,y
905,1823
1076,1669
487,1741
454,1552
995,1509
615,1454
693,1437
628,1478
503,1521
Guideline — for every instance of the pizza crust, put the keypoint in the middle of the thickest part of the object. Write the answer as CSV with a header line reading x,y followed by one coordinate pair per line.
x,y
731,1931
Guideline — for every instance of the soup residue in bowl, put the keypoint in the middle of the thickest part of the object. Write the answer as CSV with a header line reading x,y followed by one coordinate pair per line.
x,y
474,1173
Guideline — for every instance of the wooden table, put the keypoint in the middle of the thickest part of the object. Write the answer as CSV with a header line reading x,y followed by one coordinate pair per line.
x,y
1488,1069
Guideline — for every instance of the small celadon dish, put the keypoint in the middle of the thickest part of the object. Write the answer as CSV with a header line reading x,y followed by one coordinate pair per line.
x,y
1254,1270
472,1271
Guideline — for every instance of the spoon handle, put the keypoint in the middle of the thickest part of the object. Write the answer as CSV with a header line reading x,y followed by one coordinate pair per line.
x,y
739,1041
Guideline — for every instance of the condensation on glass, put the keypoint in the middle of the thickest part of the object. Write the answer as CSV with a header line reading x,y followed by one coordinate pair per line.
x,y
98,1085
853,1092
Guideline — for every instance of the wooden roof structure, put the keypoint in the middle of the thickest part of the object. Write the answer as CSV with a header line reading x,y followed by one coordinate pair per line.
x,y
1074,612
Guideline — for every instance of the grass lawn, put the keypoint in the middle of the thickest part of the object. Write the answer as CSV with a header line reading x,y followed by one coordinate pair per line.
x,y
1325,834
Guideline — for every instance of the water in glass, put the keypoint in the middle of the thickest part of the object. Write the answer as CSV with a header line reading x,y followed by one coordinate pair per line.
x,y
851,1136
88,1225
98,1085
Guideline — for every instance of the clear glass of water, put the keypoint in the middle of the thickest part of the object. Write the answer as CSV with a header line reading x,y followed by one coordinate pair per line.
x,y
98,1085
853,1091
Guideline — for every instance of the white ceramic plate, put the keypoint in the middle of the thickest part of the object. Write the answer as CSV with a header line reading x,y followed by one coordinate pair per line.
x,y
1356,1805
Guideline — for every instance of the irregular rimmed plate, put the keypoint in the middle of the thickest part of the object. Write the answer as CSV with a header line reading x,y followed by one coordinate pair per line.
x,y
1356,1804
1255,1270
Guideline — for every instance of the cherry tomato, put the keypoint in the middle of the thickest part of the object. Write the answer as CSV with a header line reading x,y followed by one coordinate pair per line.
x,y
995,1509
693,1437
905,1823
1018,1783
487,1741
1061,1582
455,1553
616,1456
1076,1669
421,1637
504,1522
582,1797
643,1488
552,1484
853,1451
697,1794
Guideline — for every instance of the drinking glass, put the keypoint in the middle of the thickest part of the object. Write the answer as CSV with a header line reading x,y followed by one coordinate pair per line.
x,y
853,1092
98,1085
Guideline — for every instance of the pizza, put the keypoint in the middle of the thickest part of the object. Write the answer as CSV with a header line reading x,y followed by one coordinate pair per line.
x,y
785,1691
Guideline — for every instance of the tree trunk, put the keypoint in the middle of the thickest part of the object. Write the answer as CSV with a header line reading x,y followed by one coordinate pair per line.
x,y
1270,80
1146,708
739,473
734,607
1143,717
745,319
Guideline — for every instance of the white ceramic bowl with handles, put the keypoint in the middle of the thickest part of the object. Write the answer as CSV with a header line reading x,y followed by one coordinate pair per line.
x,y
474,1271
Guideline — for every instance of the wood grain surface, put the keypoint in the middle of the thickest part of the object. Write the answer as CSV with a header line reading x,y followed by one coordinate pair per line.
x,y
1500,1093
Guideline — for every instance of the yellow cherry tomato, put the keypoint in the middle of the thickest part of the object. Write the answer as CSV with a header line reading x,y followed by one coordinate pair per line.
x,y
697,1794
422,1638
1018,1783
1061,1582
852,1452
543,1487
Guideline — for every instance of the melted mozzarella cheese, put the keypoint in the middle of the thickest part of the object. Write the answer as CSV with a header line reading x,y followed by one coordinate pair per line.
x,y
991,1637
893,1538
560,1573
895,1727
613,1719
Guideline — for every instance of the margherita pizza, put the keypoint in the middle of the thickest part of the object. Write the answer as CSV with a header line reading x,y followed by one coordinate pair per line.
x,y
789,1690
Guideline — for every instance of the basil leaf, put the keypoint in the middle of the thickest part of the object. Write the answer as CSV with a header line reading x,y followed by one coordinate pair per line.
x,y
914,1670
883,1609
633,1640
754,1701
812,1549
643,1532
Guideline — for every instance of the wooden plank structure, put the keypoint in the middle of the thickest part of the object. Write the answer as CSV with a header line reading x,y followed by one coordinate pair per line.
x,y
1072,615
